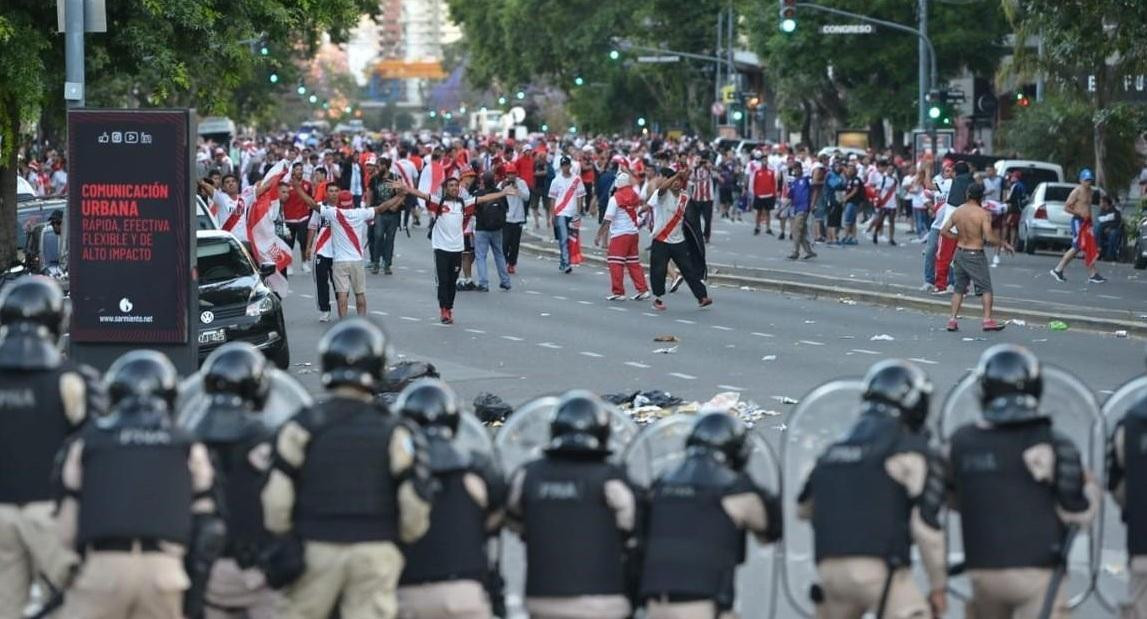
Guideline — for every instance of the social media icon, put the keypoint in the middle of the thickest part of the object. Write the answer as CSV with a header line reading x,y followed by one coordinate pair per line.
x,y
117,137
104,138
125,305
131,137
144,138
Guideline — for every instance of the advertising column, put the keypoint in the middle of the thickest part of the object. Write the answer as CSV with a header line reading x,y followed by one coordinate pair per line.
x,y
131,235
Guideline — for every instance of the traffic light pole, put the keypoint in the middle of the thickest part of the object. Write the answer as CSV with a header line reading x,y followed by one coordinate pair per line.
x,y
922,34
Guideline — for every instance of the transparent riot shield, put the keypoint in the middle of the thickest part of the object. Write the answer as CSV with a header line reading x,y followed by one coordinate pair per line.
x,y
473,437
1075,413
1112,577
661,446
823,416
285,398
521,439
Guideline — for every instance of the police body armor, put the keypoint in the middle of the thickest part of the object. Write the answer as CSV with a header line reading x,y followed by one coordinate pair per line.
x,y
1135,478
860,510
693,546
32,430
454,547
136,484
566,494
230,436
1009,519
345,490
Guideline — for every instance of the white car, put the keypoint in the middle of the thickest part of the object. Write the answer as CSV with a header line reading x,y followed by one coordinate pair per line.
x,y
1033,172
24,190
1044,220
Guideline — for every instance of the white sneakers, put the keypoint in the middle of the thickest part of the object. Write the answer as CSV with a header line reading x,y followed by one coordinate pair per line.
x,y
641,296
324,316
306,267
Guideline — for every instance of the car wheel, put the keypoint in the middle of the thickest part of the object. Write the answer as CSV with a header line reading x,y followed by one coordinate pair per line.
x,y
1140,259
1020,244
1029,244
281,356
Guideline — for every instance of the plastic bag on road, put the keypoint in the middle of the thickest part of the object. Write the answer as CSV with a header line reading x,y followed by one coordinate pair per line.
x,y
490,408
401,374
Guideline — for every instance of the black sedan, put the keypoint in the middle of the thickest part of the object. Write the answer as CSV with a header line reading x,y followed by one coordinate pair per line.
x,y
234,302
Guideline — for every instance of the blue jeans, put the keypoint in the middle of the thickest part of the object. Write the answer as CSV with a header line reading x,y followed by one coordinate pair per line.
x,y
562,233
848,217
922,223
382,237
485,241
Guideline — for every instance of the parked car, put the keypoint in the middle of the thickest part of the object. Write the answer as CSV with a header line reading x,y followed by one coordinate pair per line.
x,y
1044,220
24,190
1034,172
1139,257
234,302
31,213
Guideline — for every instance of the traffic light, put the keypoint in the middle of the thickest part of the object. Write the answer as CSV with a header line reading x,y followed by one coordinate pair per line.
x,y
274,77
738,115
788,15
614,54
641,121
302,90
939,112
263,51
501,101
313,99
521,95
578,81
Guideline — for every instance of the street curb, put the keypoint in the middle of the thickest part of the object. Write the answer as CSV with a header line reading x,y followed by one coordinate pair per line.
x,y
935,306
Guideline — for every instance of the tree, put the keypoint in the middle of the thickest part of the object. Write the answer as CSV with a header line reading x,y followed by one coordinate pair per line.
x,y
1103,38
864,79
158,53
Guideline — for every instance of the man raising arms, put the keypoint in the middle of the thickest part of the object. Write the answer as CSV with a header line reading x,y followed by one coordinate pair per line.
x,y
970,226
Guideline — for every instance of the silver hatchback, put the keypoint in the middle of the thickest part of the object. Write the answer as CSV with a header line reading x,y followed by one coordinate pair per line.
x,y
1044,221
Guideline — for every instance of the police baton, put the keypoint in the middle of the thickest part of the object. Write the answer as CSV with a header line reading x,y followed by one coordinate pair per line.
x,y
1063,553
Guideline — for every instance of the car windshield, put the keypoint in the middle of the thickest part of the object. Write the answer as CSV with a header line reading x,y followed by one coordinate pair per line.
x,y
1059,193
1034,176
220,260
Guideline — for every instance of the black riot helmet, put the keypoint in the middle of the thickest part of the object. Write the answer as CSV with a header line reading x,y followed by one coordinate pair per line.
x,y
142,376
35,303
353,354
723,435
903,386
1011,384
580,424
237,370
431,404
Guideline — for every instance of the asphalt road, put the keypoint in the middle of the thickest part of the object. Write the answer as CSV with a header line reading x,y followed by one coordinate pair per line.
x,y
553,332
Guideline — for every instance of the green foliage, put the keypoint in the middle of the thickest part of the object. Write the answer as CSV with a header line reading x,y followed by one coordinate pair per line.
x,y
1059,129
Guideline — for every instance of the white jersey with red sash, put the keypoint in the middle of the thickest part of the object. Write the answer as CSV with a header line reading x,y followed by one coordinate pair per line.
x,y
701,185
885,191
347,226
430,182
451,217
668,214
564,191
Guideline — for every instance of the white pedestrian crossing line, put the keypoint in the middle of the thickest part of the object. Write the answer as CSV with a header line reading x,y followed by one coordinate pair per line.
x,y
684,376
586,302
618,309
686,322
478,331
379,313
635,364
730,387
811,342
308,296
1058,291
560,298
720,328
924,361
410,318
512,338
550,345
591,354
649,314
532,292
864,351
1110,296
759,334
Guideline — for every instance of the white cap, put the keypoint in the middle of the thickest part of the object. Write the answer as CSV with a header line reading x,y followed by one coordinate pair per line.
x,y
622,180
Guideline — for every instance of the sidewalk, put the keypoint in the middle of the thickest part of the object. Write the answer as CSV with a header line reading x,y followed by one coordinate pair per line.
x,y
892,276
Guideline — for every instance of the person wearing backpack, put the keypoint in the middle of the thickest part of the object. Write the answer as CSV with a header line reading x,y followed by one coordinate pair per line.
x,y
489,219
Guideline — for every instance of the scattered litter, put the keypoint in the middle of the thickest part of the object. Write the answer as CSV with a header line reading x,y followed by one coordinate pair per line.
x,y
491,408
1121,333
663,399
665,351
1057,325
544,314
666,338
1019,323
781,427
900,309
401,374
883,337
745,288
847,301
306,371
975,339
620,398
769,358
1042,339
723,401
810,322
784,399
305,364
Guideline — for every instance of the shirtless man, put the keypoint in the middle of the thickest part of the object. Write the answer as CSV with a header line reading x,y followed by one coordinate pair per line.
x,y
1082,238
970,226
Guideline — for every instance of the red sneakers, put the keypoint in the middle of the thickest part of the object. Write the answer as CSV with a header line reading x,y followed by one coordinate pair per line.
x,y
992,325
511,269
659,305
447,316
953,325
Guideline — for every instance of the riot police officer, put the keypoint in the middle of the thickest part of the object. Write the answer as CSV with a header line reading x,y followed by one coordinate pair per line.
x,y
138,493
874,493
1018,485
239,442
43,399
1125,481
696,520
446,570
346,481
575,510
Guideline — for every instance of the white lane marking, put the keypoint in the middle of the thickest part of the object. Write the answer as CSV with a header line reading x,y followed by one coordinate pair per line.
x,y
307,296
731,387
1057,291
1110,296
560,298
586,302
685,376
1013,286
686,322
636,364
512,338
532,292
864,351
720,328
478,331
410,318
924,361
759,334
379,313
811,343
619,309
648,314
591,354
419,270
550,345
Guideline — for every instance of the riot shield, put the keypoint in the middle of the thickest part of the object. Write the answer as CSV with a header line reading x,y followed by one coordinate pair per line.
x,y
521,439
1074,413
284,398
661,446
824,416
473,437
1112,577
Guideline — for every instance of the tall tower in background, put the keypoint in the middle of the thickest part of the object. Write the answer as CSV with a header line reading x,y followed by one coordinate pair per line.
x,y
426,29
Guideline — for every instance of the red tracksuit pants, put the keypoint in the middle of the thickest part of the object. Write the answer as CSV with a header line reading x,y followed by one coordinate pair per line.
x,y
622,256
945,252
